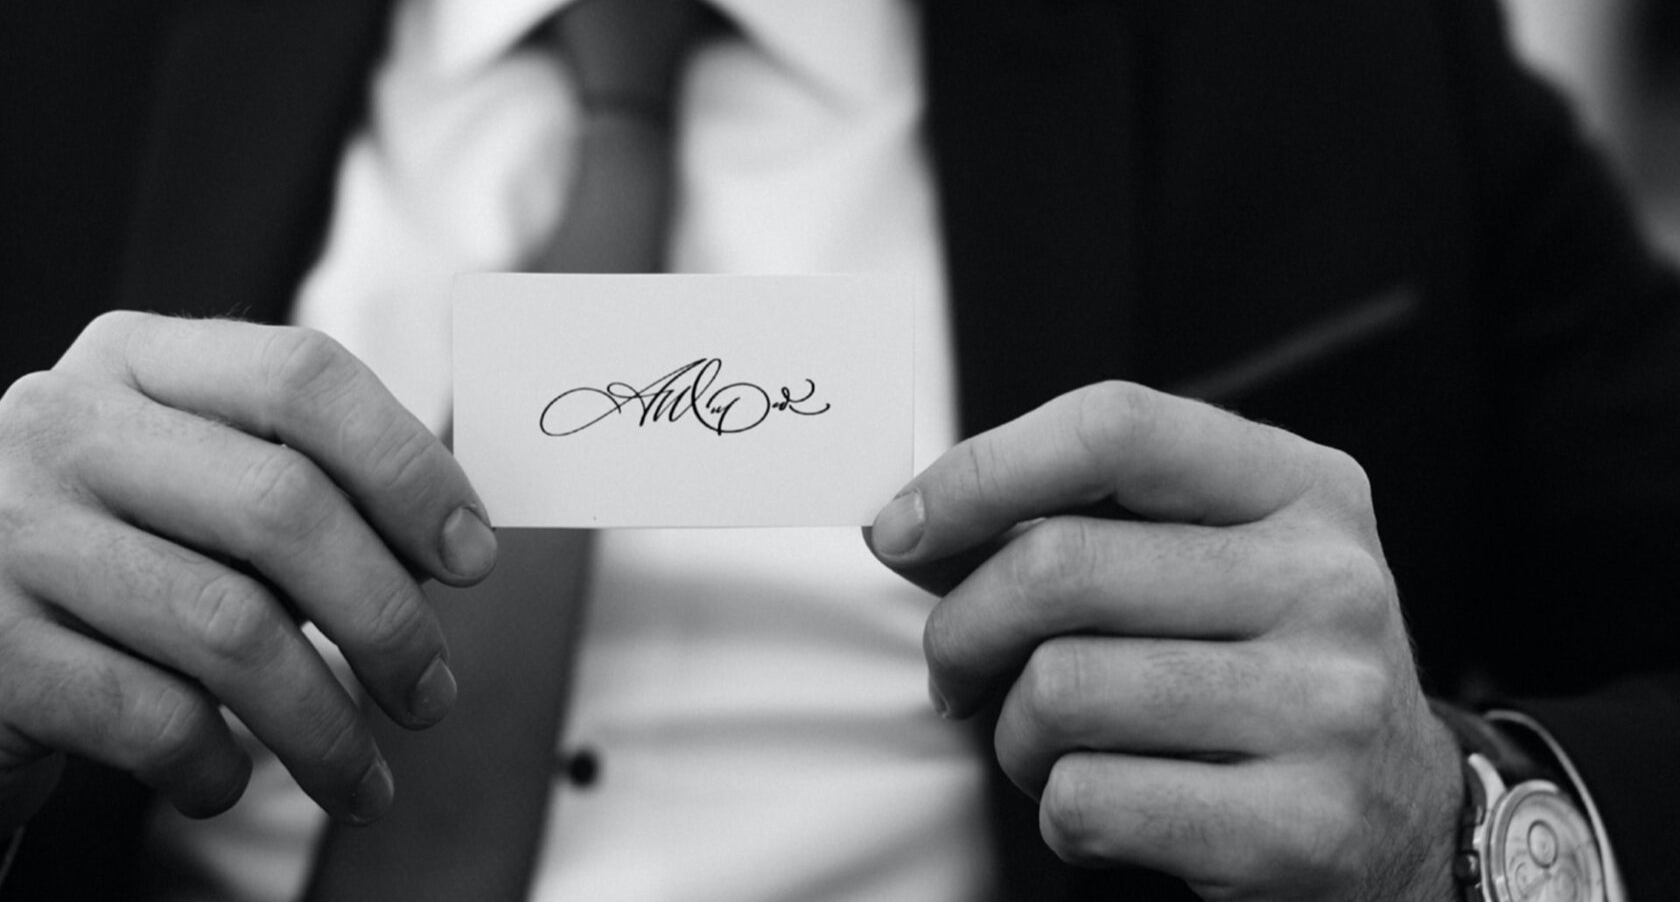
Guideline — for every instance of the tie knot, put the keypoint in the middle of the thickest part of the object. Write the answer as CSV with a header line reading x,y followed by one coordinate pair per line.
x,y
625,54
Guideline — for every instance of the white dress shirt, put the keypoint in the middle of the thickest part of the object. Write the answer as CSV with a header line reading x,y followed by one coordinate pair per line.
x,y
756,698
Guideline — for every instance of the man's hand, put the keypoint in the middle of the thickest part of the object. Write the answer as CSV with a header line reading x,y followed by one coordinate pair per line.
x,y
1223,688
174,495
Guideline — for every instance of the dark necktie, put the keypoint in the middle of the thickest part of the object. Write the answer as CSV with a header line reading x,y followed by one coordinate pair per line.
x,y
473,792
624,56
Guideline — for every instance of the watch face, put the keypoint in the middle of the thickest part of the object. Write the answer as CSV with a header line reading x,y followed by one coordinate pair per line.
x,y
1543,848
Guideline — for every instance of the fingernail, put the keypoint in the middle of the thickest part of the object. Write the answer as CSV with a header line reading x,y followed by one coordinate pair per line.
x,y
433,694
940,705
468,547
372,796
898,527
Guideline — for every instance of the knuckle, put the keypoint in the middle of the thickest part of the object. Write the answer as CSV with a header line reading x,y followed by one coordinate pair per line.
x,y
1353,698
1333,575
1067,818
175,726
1349,585
305,368
34,394
284,495
394,618
978,473
1111,414
236,621
340,739
105,344
1052,687
35,408
939,648
1053,565
1348,476
111,329
39,402
402,457
1363,593
1342,488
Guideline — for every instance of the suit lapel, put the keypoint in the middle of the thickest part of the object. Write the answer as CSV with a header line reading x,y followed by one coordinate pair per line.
x,y
254,98
1020,95
1297,172
1241,200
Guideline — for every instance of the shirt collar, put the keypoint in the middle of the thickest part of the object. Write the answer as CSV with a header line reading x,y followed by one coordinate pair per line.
x,y
839,47
836,45
464,36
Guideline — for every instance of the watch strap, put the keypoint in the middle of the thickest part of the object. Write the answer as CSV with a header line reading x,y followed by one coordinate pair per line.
x,y
1475,737
1514,759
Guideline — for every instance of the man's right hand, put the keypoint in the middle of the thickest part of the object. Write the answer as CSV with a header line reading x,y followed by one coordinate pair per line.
x,y
174,496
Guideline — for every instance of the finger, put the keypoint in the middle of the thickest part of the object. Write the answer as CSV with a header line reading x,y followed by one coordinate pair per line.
x,y
1159,456
1072,575
940,576
1204,701
302,389
1228,829
197,617
61,690
220,490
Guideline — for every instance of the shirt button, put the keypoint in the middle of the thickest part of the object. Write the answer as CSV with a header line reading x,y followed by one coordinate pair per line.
x,y
581,767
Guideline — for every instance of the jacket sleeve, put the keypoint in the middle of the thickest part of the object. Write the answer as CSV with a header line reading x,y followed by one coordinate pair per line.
x,y
1581,328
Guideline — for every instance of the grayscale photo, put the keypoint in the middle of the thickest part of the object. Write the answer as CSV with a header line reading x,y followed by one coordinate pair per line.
x,y
839,450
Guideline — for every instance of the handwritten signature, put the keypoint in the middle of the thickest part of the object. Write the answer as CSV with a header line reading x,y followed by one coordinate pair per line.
x,y
684,391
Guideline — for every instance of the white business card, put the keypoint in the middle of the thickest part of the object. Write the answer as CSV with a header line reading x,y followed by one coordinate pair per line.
x,y
683,400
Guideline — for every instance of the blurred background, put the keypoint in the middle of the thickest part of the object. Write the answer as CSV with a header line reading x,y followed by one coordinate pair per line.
x,y
1619,62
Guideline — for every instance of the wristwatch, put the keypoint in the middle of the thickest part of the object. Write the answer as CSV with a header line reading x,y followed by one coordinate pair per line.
x,y
1527,834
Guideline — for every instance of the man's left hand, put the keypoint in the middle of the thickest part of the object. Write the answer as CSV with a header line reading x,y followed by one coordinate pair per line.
x,y
1221,688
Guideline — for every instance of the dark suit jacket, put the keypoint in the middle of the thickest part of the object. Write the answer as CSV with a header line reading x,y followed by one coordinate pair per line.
x,y
1353,218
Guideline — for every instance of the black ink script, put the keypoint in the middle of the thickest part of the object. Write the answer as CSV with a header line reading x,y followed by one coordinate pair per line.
x,y
687,391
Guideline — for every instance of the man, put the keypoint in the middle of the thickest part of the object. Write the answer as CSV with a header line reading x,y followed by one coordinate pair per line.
x,y
1358,221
